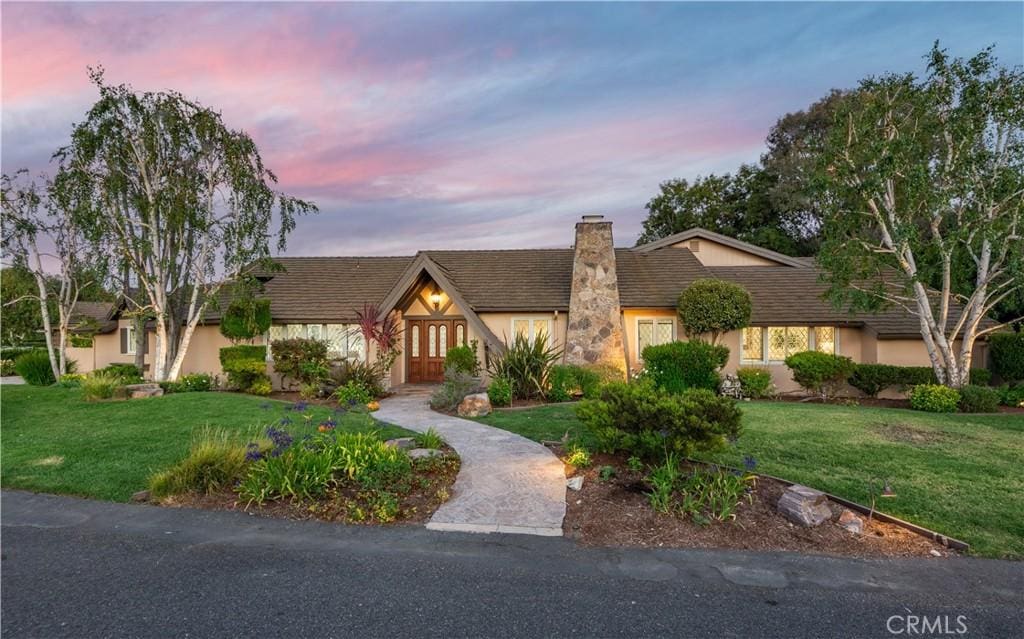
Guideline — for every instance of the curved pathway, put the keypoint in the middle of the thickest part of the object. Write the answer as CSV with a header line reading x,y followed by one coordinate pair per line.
x,y
506,484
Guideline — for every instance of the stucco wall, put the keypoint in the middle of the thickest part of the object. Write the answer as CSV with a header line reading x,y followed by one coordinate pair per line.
x,y
714,254
629,319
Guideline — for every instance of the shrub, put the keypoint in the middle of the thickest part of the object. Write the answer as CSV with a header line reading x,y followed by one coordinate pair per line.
x,y
100,385
1007,355
7,368
456,385
820,373
325,461
642,419
71,380
980,376
34,367
429,439
934,398
245,318
191,383
755,382
978,399
871,379
677,366
215,461
578,456
606,374
464,359
301,359
1012,395
713,306
526,365
353,393
246,368
567,380
366,375
500,392
126,373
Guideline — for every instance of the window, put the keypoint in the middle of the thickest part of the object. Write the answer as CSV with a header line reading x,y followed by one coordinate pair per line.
x,y
825,339
344,341
531,327
414,348
460,335
442,338
432,341
753,344
653,332
776,343
130,341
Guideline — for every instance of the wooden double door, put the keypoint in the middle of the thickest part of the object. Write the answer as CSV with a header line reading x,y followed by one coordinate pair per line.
x,y
426,343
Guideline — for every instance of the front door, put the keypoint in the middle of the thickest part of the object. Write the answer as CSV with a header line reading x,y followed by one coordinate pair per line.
x,y
426,342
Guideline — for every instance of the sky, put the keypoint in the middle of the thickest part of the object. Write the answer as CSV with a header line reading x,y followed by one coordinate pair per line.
x,y
417,126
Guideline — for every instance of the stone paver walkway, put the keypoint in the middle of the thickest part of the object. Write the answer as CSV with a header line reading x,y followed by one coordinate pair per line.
x,y
506,484
11,380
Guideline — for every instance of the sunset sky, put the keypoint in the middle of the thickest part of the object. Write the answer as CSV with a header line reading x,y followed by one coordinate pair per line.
x,y
470,125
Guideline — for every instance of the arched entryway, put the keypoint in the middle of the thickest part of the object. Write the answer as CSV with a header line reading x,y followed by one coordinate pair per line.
x,y
426,342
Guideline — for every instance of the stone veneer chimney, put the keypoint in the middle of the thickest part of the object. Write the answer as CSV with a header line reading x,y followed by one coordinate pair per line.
x,y
595,327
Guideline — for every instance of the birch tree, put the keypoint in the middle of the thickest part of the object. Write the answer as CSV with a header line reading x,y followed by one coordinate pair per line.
x,y
922,176
184,203
41,236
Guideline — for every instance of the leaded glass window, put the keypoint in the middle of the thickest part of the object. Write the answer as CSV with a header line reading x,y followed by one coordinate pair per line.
x,y
414,348
825,339
432,341
753,346
777,343
442,339
460,335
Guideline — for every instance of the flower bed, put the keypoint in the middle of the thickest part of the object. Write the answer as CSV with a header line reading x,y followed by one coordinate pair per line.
x,y
614,508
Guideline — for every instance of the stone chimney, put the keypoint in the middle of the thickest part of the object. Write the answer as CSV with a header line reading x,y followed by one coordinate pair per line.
x,y
594,333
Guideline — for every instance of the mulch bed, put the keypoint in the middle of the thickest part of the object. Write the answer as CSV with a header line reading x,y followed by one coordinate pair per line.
x,y
431,486
616,513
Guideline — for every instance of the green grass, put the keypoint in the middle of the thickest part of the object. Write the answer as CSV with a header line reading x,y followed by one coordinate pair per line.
x,y
54,441
961,475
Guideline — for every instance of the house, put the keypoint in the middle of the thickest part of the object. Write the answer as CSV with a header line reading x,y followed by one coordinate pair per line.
x,y
595,302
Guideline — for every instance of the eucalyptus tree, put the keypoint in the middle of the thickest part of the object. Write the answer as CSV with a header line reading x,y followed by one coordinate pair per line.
x,y
183,203
919,177
42,237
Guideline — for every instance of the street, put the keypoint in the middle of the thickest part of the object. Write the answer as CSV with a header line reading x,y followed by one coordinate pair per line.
x,y
77,568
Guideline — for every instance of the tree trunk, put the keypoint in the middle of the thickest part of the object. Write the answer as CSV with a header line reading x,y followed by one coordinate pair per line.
x,y
44,308
139,324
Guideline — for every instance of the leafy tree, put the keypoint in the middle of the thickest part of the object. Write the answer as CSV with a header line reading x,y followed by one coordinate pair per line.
x,y
184,203
22,321
710,306
40,231
921,175
247,315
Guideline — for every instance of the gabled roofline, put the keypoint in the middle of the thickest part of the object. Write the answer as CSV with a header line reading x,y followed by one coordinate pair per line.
x,y
732,242
409,277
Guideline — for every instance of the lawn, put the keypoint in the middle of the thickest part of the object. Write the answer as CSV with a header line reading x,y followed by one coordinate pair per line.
x,y
54,441
962,475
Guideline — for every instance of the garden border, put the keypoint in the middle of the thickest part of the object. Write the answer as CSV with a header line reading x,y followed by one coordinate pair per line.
x,y
945,540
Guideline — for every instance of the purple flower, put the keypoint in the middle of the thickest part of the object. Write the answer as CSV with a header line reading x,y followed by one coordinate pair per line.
x,y
281,439
252,452
300,407
265,405
353,401
285,421
749,462
329,424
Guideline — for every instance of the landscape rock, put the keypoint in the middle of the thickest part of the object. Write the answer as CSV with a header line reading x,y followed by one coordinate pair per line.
x,y
136,391
804,506
851,522
421,453
142,495
934,553
575,483
405,443
475,405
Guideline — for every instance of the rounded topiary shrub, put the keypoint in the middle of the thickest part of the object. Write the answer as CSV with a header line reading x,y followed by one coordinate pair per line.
x,y
934,398
979,399
755,382
462,358
710,306
245,318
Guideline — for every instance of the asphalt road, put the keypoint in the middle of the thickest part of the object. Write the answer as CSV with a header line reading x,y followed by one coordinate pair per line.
x,y
76,568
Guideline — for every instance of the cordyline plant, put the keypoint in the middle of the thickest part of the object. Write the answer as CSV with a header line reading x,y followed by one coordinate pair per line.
x,y
924,185
182,202
384,331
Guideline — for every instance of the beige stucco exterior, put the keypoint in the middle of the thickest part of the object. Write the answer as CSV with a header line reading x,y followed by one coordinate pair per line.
x,y
712,253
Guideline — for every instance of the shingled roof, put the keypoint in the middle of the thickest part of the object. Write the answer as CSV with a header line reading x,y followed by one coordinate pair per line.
x,y
510,280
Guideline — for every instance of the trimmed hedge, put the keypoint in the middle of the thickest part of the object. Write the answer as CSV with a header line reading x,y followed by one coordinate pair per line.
x,y
755,382
246,368
565,380
871,379
934,398
1007,352
678,366
245,319
978,399
820,373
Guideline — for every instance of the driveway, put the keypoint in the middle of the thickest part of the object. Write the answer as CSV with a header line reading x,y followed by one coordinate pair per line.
x,y
76,568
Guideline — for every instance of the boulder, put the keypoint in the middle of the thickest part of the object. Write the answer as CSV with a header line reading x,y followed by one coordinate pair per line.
x,y
135,391
851,522
475,405
405,443
804,506
421,453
